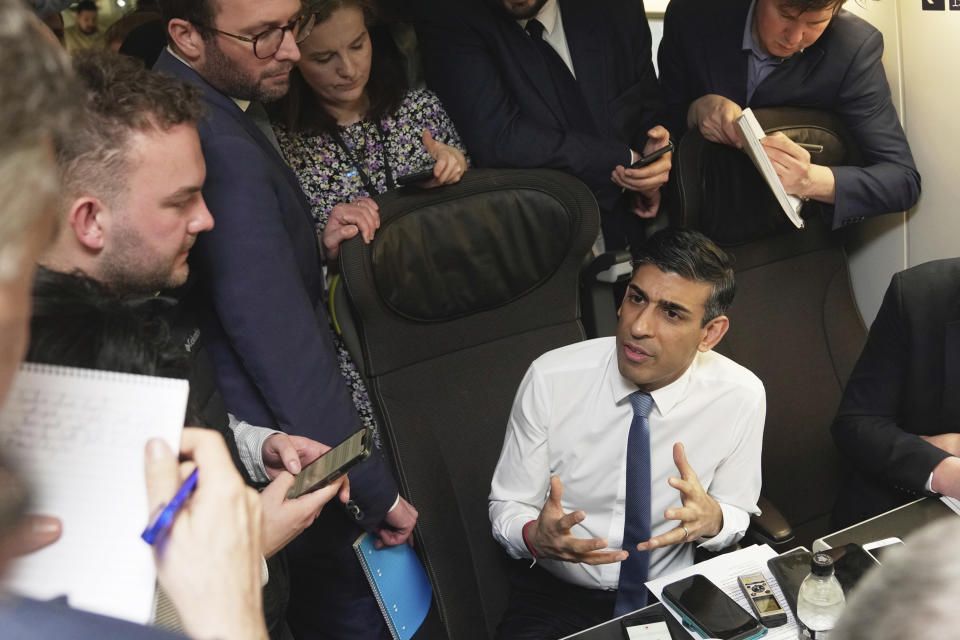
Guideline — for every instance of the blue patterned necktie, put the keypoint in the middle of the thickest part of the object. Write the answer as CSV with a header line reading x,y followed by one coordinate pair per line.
x,y
631,592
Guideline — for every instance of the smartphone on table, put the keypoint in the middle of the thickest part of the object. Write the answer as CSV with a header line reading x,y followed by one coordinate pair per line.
x,y
332,464
710,612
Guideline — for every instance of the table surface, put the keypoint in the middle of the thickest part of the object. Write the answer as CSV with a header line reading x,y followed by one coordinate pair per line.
x,y
896,523
612,630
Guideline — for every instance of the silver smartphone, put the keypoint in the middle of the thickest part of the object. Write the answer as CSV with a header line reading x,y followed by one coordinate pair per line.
x,y
332,464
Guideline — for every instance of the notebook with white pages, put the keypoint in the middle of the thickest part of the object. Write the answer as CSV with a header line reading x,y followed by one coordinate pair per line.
x,y
751,133
78,436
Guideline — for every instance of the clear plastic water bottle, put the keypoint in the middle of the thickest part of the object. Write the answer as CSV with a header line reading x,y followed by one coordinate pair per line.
x,y
820,601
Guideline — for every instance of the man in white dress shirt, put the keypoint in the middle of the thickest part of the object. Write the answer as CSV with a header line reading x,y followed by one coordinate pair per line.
x,y
560,490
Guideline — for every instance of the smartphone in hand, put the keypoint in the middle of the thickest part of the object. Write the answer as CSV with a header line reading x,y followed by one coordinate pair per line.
x,y
653,155
332,464
418,176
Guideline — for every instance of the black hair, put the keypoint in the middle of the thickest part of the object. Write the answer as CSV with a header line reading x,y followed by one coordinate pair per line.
x,y
300,111
802,6
693,256
79,322
201,13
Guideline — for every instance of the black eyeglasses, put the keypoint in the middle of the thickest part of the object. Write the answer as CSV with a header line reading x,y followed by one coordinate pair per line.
x,y
267,43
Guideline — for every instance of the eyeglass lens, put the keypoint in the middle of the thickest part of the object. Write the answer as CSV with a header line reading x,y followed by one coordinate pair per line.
x,y
268,43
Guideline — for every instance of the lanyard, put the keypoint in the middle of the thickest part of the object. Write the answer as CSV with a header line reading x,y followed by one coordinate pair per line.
x,y
367,183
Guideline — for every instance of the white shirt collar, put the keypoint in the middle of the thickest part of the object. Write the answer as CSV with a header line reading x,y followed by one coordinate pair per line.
x,y
665,398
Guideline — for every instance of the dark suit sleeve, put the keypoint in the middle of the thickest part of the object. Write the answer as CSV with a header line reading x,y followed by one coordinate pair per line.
x,y
868,428
464,73
269,318
671,64
889,181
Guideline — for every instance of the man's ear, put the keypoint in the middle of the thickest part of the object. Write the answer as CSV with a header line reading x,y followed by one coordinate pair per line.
x,y
187,40
86,219
713,332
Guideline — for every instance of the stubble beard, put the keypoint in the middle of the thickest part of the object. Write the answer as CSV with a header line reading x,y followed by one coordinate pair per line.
x,y
225,76
522,14
129,271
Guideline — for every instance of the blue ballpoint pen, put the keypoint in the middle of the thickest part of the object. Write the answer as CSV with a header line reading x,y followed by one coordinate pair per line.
x,y
164,520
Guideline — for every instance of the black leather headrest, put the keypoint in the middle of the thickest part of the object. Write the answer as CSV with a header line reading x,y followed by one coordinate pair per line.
x,y
446,259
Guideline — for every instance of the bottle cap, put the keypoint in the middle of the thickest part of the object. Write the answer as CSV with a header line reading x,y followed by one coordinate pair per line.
x,y
821,565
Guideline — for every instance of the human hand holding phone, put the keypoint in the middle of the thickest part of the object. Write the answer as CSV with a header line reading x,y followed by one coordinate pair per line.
x,y
645,181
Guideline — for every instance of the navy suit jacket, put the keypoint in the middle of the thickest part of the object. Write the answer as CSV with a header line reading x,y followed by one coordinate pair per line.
x,y
904,385
702,52
499,93
260,296
54,620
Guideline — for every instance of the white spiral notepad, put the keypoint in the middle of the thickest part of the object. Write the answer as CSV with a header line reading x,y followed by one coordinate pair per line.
x,y
78,436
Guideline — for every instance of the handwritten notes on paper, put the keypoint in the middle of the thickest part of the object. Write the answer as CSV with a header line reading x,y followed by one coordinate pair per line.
x,y
78,437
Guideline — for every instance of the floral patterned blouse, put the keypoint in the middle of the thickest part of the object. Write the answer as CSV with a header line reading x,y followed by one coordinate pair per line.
x,y
329,175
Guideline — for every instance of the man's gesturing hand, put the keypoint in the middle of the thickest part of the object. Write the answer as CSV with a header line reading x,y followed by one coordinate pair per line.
x,y
700,514
549,535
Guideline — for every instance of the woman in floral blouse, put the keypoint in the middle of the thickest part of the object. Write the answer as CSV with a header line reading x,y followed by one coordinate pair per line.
x,y
349,127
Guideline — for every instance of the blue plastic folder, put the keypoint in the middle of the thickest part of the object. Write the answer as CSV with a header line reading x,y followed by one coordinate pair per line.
x,y
399,584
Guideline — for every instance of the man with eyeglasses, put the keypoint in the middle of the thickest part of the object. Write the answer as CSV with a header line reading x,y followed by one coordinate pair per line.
x,y
259,297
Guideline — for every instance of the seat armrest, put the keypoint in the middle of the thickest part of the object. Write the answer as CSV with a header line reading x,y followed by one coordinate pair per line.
x,y
770,527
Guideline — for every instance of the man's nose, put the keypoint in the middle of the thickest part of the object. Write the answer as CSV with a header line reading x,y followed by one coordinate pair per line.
x,y
793,34
641,324
288,48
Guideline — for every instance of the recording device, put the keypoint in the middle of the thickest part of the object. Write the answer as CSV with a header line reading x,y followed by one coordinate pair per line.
x,y
710,612
420,175
764,604
648,625
653,155
332,464
879,549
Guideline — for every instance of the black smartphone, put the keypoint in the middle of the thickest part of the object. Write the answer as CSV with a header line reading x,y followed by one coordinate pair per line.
x,y
850,562
332,464
710,612
646,626
420,175
653,155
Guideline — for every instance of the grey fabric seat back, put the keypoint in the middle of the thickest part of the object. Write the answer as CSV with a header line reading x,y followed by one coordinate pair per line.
x,y
461,289
794,321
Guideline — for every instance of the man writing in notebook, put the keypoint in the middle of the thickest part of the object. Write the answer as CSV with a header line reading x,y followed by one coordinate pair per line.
x,y
719,57
219,534
623,453
132,209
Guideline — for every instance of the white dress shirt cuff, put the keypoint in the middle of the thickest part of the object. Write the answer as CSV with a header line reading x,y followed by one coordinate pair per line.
x,y
735,523
250,439
513,537
264,572
929,485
